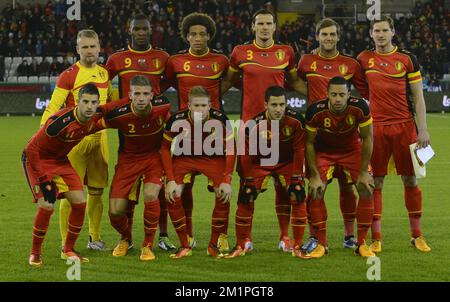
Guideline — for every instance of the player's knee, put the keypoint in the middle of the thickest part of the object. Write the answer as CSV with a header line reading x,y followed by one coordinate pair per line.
x,y
151,194
45,205
95,191
116,212
409,181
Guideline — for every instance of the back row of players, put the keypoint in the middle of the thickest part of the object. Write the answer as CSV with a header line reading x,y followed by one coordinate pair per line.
x,y
389,77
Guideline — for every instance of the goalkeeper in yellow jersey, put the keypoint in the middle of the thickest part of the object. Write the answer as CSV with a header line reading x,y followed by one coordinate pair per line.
x,y
90,156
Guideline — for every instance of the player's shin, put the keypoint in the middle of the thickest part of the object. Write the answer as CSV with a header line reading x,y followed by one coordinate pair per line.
x,y
283,210
243,222
151,217
41,222
319,219
378,207
219,223
413,202
188,205
176,213
64,212
364,217
347,200
120,224
298,222
163,214
95,211
76,220
130,217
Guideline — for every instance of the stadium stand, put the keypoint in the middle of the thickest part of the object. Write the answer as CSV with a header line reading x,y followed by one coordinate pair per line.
x,y
42,32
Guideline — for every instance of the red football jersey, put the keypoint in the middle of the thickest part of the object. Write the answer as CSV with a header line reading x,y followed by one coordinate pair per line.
x,y
317,71
186,70
290,136
137,135
129,63
261,68
177,126
58,136
337,133
389,77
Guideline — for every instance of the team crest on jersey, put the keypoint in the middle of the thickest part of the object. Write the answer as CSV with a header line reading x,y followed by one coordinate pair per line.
x,y
350,120
280,54
142,62
343,69
287,131
399,66
266,134
156,63
215,67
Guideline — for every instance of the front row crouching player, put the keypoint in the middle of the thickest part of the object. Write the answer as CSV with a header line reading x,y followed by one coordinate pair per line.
x,y
203,145
287,168
334,149
50,175
140,120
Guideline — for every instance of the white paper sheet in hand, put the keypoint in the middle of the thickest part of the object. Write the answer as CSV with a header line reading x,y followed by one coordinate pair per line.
x,y
425,154
419,158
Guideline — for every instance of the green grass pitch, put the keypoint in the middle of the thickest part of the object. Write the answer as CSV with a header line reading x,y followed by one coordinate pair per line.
x,y
399,261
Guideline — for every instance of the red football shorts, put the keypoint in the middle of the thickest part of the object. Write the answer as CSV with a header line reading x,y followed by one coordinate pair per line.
x,y
393,140
130,169
344,166
185,167
281,174
59,171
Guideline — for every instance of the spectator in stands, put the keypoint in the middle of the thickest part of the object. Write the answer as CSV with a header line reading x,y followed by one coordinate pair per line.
x,y
23,70
34,67
44,67
53,72
65,64
43,29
